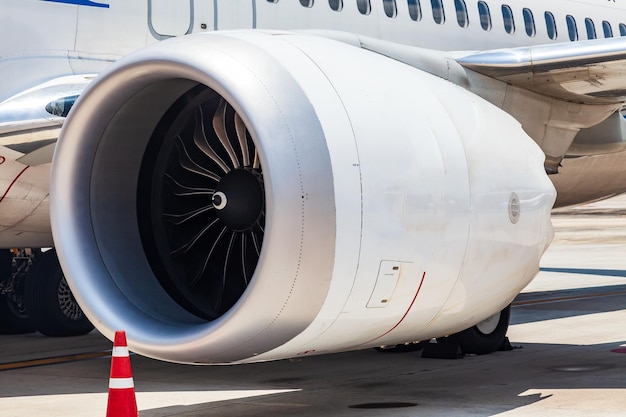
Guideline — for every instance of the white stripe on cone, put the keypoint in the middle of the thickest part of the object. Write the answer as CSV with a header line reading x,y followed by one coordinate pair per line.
x,y
120,352
121,383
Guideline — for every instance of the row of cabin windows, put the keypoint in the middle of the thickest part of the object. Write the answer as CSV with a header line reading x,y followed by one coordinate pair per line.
x,y
462,18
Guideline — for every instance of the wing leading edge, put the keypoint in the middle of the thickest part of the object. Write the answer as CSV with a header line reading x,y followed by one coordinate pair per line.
x,y
588,72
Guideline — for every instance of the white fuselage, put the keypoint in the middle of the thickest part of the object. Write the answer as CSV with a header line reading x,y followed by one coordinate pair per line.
x,y
46,39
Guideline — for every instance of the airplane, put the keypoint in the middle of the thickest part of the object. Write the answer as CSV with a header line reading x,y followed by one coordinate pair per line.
x,y
236,181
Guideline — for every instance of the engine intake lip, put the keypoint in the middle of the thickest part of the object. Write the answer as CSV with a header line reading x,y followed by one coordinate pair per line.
x,y
95,178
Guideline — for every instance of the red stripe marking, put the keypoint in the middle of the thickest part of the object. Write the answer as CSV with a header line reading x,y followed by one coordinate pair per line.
x,y
13,183
120,338
405,314
619,350
120,368
122,403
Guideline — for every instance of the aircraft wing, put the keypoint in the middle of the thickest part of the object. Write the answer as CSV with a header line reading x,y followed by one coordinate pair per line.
x,y
589,72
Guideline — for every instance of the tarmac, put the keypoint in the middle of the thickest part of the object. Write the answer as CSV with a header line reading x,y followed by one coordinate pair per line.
x,y
568,328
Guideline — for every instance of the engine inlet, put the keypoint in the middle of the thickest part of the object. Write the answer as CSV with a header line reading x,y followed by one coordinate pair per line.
x,y
201,203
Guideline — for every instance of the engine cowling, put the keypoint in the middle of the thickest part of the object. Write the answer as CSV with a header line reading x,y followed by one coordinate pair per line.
x,y
250,196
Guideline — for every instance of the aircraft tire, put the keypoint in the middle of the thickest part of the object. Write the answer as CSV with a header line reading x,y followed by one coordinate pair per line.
x,y
52,308
12,322
13,318
485,337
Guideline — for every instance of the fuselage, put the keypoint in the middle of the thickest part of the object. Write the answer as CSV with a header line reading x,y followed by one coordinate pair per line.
x,y
47,39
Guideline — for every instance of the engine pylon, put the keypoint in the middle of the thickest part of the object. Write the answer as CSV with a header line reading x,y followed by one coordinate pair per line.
x,y
122,401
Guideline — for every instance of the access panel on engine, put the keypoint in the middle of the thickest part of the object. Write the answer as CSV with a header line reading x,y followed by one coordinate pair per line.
x,y
388,275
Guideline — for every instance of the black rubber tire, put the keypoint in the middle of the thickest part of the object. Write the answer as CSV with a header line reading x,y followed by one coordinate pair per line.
x,y
12,321
473,341
48,314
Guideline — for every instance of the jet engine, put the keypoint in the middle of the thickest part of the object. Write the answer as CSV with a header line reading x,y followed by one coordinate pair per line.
x,y
251,196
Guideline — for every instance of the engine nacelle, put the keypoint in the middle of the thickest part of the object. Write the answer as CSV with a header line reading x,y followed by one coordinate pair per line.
x,y
250,196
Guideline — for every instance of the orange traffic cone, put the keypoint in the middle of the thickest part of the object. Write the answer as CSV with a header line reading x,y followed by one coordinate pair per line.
x,y
122,402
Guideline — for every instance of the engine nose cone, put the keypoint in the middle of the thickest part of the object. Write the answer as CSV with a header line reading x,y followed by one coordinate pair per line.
x,y
238,199
219,200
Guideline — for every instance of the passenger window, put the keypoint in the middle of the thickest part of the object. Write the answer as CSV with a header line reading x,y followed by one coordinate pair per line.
x,y
550,25
572,30
364,6
591,29
461,13
415,10
507,16
622,29
272,1
529,22
607,29
390,8
336,5
438,14
306,3
485,15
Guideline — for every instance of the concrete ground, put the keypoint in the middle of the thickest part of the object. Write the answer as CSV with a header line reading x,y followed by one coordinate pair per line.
x,y
569,325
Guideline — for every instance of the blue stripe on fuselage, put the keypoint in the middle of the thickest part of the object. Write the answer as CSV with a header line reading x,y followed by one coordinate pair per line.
x,y
81,3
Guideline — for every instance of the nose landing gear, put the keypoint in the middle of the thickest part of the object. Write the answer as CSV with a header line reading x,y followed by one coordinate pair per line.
x,y
13,316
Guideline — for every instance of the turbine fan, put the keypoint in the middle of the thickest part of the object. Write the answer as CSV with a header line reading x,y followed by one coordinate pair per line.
x,y
206,203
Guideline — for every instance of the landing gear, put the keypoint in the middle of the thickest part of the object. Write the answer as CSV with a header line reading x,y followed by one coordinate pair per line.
x,y
13,316
405,347
51,307
485,337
